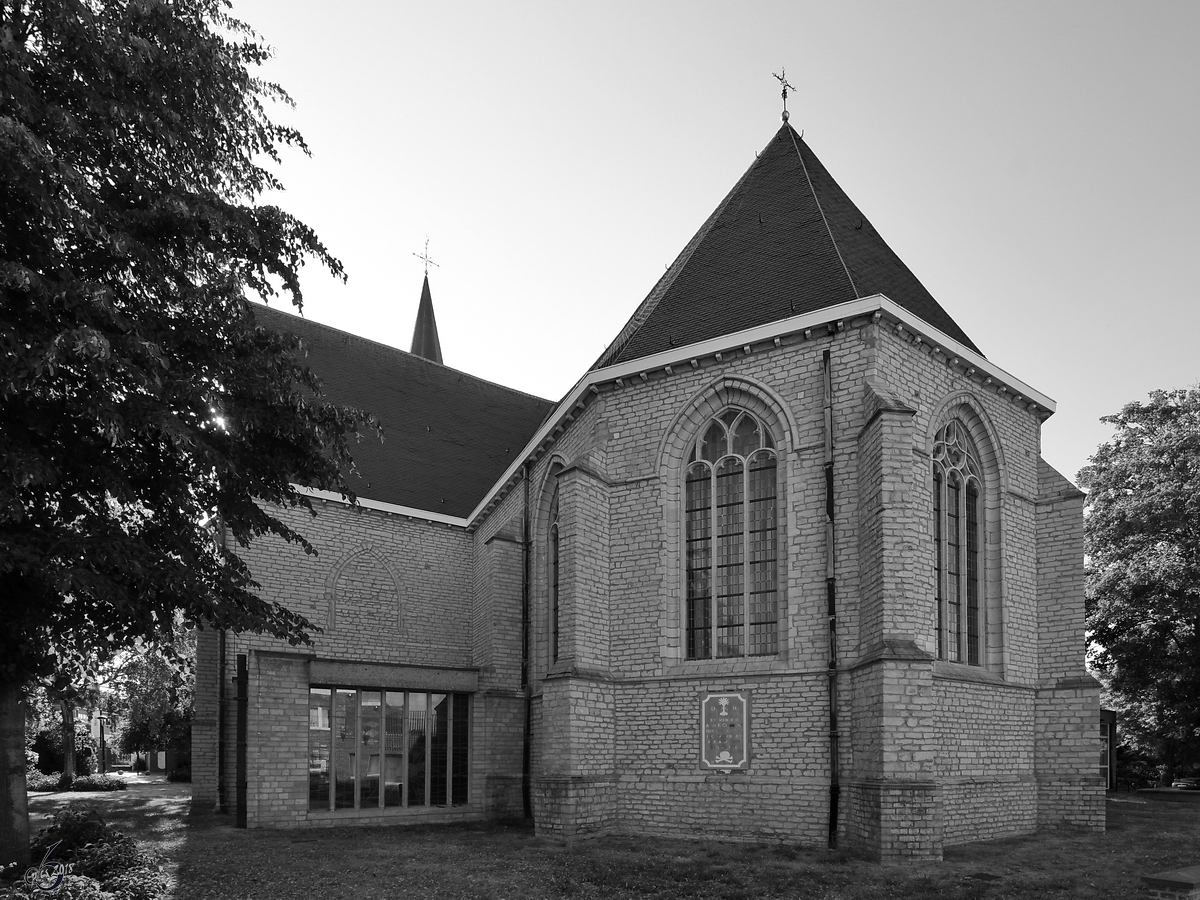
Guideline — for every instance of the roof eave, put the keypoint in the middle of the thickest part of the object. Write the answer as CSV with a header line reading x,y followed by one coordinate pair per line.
x,y
391,508
865,306
972,364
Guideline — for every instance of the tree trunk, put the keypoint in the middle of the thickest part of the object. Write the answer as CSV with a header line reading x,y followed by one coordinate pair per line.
x,y
14,813
68,739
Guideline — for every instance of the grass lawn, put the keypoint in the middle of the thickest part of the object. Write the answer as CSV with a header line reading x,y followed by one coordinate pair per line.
x,y
213,860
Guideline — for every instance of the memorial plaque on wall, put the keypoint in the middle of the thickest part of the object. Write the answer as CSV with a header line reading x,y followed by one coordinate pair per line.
x,y
725,730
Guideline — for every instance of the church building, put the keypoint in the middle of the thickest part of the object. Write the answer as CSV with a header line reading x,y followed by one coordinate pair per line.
x,y
785,564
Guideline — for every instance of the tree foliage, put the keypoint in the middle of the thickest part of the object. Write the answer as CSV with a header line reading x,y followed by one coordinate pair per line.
x,y
1143,544
138,398
152,697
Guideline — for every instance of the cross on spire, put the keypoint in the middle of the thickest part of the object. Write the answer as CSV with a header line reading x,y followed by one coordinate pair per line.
x,y
782,79
424,257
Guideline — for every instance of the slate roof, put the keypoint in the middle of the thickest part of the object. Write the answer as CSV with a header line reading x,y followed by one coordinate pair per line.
x,y
785,241
425,336
448,436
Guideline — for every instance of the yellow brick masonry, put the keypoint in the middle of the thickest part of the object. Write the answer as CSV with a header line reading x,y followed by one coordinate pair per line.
x,y
388,592
930,756
931,753
1070,791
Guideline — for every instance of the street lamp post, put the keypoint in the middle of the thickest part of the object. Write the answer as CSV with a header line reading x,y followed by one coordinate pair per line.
x,y
103,749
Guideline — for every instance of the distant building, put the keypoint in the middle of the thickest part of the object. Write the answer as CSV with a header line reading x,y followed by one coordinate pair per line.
x,y
785,564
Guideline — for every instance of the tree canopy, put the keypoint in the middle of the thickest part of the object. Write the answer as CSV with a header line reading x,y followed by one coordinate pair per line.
x,y
139,402
1143,545
150,696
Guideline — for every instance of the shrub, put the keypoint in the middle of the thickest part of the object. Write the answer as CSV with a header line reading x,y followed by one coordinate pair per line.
x,y
74,826
139,764
183,773
36,782
116,853
97,783
72,887
47,744
143,882
104,864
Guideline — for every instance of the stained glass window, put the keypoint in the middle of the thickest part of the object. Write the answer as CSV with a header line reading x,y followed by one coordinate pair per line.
x,y
554,602
731,553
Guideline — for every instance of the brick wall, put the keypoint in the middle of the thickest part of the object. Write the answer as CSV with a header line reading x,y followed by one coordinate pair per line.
x,y
931,753
205,706
277,740
391,594
1070,788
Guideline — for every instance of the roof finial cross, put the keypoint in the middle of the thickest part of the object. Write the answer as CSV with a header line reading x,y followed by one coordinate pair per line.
x,y
424,257
782,79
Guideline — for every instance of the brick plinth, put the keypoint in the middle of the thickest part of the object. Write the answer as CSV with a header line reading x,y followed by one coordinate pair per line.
x,y
568,806
897,822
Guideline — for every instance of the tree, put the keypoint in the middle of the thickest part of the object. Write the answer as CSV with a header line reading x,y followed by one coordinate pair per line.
x,y
152,697
71,685
139,401
1143,580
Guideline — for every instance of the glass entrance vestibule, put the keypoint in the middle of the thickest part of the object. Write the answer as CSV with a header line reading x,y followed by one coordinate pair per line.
x,y
379,749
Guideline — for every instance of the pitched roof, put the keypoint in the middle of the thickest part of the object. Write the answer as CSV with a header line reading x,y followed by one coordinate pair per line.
x,y
785,241
425,341
447,435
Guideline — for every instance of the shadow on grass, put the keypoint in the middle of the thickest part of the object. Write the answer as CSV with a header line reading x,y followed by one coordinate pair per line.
x,y
152,814
211,859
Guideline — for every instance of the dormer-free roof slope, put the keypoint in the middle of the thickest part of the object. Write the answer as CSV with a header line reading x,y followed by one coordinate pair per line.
x,y
786,240
448,436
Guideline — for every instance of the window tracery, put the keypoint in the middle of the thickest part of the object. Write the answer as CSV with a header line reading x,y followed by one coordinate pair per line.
x,y
732,605
957,517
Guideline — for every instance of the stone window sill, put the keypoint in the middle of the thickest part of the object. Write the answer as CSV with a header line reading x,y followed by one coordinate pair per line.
x,y
729,665
952,671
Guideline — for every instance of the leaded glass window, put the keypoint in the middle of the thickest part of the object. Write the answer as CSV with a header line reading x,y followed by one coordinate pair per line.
x,y
553,576
379,749
731,549
957,514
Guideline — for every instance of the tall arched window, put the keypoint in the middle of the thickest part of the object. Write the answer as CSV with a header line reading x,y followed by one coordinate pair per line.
x,y
552,575
732,591
957,514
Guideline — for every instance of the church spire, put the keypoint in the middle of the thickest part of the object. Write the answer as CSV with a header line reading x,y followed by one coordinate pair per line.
x,y
425,341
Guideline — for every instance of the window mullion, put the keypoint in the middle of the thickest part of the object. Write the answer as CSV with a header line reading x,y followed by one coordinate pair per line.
x,y
356,743
429,720
939,550
713,554
944,569
963,633
405,785
450,703
746,567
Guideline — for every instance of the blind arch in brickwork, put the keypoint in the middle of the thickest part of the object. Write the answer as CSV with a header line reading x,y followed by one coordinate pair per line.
x,y
362,591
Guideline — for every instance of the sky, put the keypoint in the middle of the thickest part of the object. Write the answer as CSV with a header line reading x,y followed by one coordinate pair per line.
x,y
1035,164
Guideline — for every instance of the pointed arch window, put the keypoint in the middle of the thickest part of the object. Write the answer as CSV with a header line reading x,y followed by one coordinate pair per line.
x,y
732,553
957,514
552,575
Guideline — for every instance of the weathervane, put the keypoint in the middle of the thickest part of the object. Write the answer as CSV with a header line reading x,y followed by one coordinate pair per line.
x,y
424,257
782,79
